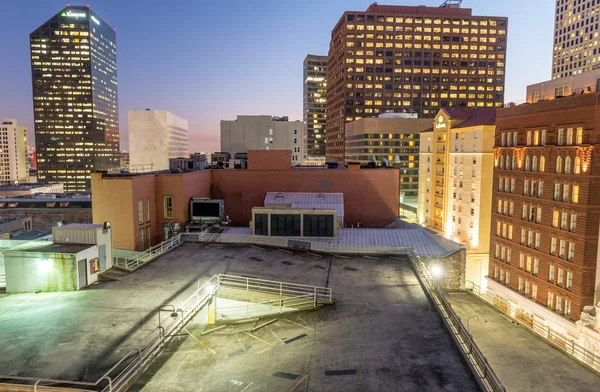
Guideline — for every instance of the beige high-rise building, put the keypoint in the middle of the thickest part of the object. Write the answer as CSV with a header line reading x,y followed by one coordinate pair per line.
x,y
575,37
456,164
155,136
263,133
13,160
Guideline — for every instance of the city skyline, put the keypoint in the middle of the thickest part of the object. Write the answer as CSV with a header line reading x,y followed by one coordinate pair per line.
x,y
224,88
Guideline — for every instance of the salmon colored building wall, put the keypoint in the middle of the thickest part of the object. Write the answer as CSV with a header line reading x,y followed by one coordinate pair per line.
x,y
115,199
370,196
269,160
182,187
114,204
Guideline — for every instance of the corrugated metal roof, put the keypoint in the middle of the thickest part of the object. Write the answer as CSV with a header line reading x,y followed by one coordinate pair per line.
x,y
318,201
81,226
425,242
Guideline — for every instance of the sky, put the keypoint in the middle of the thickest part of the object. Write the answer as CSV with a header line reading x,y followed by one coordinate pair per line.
x,y
208,61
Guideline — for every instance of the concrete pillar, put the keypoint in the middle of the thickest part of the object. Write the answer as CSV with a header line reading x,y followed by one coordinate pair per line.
x,y
212,311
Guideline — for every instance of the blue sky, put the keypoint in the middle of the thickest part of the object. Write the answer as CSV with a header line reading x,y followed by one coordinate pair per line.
x,y
211,60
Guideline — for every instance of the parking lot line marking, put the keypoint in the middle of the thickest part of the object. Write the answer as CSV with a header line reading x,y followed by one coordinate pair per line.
x,y
200,342
247,386
303,380
257,338
300,325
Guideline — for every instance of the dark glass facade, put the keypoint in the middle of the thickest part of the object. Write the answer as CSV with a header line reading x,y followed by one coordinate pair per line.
x,y
74,77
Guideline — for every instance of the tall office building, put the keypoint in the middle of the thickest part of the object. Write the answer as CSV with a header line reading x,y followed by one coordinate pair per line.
x,y
575,37
13,152
315,88
74,75
420,59
155,136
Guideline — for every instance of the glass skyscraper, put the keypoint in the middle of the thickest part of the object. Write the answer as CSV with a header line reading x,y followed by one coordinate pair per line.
x,y
315,89
74,76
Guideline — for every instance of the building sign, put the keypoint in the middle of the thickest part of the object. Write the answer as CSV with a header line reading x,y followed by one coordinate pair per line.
x,y
94,266
74,14
92,17
440,123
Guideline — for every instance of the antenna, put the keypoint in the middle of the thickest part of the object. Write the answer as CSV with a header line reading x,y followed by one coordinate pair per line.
x,y
451,4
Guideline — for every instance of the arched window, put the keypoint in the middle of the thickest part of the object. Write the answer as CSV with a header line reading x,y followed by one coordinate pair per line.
x,y
559,165
502,162
534,166
568,165
508,166
542,163
514,162
527,164
577,167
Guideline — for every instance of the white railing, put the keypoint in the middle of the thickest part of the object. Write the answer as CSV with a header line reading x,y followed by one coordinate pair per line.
x,y
119,377
134,262
481,369
132,364
267,307
558,340
320,295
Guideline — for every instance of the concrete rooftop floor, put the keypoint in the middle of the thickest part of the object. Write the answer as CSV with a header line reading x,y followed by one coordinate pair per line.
x,y
381,328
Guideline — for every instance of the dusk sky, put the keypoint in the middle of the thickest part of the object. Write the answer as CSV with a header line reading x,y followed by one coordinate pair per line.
x,y
212,60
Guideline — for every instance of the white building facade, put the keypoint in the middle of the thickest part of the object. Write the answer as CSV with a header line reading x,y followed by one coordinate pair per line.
x,y
455,182
155,136
575,37
263,133
13,155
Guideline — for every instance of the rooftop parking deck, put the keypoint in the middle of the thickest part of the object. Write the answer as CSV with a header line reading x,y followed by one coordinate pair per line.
x,y
382,333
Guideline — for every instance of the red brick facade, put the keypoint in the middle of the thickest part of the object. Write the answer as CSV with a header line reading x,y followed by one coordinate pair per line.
x,y
543,208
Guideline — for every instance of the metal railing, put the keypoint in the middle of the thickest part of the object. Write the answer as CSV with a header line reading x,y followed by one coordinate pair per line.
x,y
558,340
318,294
552,96
141,258
483,372
119,377
132,364
267,307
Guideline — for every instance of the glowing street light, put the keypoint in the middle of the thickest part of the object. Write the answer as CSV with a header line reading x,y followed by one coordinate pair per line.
x,y
436,271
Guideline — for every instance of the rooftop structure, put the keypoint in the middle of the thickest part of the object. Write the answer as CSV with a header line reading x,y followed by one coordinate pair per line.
x,y
136,203
317,201
16,190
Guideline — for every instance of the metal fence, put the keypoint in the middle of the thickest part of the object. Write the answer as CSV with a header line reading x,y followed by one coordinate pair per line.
x,y
132,364
319,295
558,340
479,365
136,261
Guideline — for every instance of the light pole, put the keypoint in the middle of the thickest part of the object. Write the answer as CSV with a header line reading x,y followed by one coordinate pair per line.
x,y
469,319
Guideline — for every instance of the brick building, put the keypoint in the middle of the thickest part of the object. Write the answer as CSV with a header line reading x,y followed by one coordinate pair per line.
x,y
397,58
545,220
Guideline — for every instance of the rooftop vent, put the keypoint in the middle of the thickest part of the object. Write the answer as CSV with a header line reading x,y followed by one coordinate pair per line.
x,y
279,196
321,196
